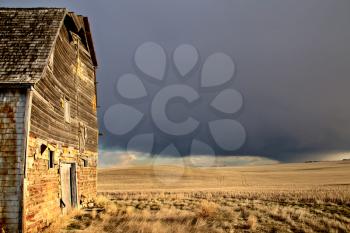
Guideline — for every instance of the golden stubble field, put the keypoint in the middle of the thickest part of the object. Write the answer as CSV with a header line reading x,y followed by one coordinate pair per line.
x,y
304,197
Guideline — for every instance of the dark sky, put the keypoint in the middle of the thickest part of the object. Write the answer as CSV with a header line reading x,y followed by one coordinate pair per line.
x,y
292,61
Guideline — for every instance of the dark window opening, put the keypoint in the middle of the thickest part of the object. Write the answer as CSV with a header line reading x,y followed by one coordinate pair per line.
x,y
42,148
72,28
51,159
85,162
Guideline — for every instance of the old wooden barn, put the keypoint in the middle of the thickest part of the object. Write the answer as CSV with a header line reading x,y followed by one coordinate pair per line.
x,y
48,121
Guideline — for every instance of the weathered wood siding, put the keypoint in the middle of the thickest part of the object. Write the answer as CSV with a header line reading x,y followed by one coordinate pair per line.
x,y
12,113
71,76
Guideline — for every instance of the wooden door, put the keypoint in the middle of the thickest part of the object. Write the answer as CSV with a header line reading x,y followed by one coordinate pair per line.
x,y
66,187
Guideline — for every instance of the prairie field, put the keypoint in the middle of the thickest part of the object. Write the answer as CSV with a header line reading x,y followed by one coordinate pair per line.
x,y
300,197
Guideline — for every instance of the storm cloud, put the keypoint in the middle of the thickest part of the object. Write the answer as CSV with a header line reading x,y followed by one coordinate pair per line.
x,y
292,68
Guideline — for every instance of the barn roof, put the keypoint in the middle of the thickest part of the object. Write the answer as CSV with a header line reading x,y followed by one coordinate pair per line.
x,y
27,36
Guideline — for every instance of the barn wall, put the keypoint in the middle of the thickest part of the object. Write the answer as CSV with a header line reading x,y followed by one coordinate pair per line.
x,y
12,114
71,76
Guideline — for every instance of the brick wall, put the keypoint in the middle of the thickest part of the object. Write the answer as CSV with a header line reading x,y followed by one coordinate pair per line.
x,y
42,184
12,112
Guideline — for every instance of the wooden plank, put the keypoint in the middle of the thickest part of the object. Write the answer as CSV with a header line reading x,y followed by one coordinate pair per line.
x,y
66,194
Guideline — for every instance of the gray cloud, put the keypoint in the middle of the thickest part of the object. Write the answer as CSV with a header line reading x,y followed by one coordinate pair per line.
x,y
292,60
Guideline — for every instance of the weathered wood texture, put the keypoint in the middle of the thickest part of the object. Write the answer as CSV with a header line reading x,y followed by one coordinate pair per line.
x,y
66,185
12,112
26,37
69,77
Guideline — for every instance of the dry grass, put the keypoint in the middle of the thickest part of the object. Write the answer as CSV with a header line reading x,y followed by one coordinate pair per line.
x,y
282,176
252,222
301,203
63,222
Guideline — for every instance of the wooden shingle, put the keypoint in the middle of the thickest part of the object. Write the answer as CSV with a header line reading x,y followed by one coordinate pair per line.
x,y
26,40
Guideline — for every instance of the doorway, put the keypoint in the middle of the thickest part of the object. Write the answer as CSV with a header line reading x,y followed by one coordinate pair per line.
x,y
68,187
